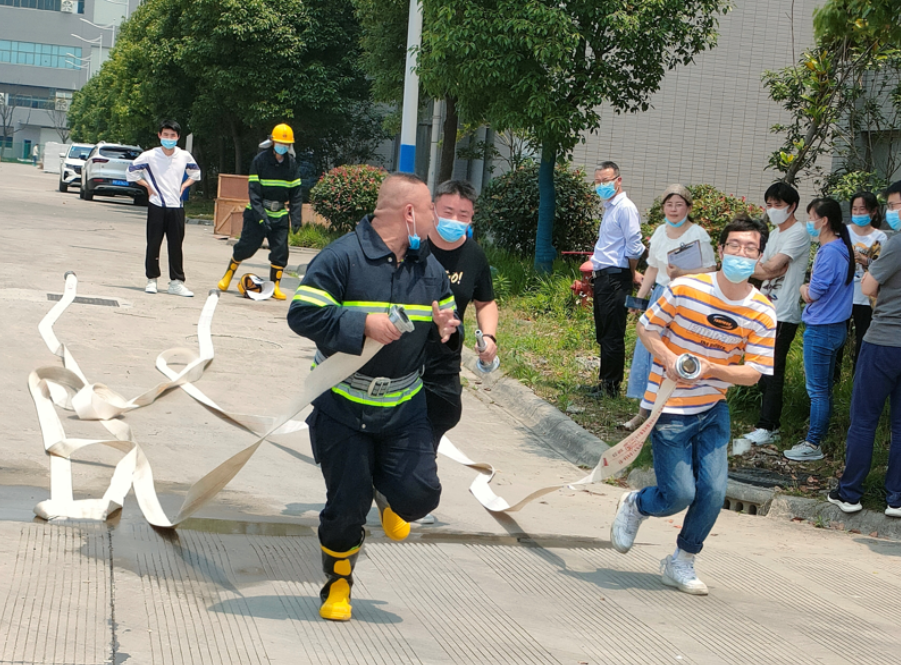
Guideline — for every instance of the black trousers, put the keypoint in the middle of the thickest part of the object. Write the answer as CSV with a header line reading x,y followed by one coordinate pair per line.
x,y
610,291
168,222
862,317
772,386
400,464
253,234
444,405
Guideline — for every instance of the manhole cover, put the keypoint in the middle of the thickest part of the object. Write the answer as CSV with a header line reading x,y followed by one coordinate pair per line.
x,y
105,302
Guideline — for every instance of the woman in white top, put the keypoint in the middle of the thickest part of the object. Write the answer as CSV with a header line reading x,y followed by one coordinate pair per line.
x,y
867,240
678,230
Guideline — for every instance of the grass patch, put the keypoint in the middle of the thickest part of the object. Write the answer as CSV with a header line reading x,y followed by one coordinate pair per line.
x,y
198,208
312,235
547,342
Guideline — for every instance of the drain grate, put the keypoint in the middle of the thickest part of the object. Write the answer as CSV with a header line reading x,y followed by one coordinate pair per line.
x,y
105,302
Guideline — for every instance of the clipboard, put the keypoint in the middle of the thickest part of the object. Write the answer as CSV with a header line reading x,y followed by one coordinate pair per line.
x,y
686,257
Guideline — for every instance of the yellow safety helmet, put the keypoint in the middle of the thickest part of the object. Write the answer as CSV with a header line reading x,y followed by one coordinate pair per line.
x,y
255,288
283,134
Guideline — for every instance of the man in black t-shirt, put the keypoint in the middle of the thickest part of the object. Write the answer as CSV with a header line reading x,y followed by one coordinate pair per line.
x,y
470,280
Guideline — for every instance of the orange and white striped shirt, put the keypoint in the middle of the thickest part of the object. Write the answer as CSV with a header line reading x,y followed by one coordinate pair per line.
x,y
693,316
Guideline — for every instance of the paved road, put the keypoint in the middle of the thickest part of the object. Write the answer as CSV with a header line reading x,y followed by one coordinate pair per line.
x,y
239,584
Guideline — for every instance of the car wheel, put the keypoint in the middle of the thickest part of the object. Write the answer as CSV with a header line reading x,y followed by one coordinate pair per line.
x,y
87,194
63,187
81,191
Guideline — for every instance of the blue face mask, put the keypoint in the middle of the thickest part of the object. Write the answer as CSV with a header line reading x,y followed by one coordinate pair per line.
x,y
861,220
606,191
812,231
450,229
737,269
414,239
892,219
677,224
281,148
168,144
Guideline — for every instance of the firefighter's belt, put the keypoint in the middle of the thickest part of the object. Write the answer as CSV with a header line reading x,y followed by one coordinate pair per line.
x,y
273,206
376,386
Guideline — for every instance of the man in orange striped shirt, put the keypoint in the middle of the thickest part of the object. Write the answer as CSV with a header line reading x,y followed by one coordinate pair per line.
x,y
722,320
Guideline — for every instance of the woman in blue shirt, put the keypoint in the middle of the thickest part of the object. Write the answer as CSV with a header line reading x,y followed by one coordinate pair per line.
x,y
829,297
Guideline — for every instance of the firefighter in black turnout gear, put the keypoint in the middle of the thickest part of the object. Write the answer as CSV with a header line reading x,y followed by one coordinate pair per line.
x,y
274,181
370,433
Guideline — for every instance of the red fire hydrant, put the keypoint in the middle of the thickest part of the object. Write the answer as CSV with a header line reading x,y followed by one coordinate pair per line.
x,y
583,288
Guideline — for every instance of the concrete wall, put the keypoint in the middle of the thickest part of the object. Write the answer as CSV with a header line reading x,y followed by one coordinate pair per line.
x,y
710,120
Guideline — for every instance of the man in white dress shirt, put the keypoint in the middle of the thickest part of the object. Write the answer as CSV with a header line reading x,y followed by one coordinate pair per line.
x,y
615,258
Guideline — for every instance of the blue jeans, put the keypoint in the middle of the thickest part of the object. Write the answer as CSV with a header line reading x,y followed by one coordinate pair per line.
x,y
821,345
878,377
640,369
692,472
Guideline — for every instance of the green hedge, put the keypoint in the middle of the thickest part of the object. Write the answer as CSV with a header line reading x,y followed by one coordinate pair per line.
x,y
507,211
346,194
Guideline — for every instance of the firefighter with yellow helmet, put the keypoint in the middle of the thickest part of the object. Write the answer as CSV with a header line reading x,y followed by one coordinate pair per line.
x,y
275,199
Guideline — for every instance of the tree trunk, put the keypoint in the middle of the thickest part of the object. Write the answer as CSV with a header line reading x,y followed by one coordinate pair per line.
x,y
236,137
449,141
545,252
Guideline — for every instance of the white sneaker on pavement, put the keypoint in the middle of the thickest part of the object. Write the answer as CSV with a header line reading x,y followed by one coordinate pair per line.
x,y
804,452
893,512
678,570
151,286
625,524
761,437
178,288
836,499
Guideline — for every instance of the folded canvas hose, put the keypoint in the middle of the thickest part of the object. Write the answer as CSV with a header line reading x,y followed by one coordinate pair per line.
x,y
68,388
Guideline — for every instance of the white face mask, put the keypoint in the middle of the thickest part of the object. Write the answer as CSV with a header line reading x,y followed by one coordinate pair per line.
x,y
778,215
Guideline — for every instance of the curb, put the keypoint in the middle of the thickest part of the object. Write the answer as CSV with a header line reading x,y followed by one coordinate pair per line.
x,y
555,429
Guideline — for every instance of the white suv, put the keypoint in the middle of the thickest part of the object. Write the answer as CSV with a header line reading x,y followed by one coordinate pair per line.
x,y
104,173
71,163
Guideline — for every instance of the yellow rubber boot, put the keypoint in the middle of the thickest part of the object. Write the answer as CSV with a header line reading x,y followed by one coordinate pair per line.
x,y
226,281
275,275
335,595
395,528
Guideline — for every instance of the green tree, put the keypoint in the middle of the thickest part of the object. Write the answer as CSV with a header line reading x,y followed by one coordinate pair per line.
x,y
230,70
546,66
842,96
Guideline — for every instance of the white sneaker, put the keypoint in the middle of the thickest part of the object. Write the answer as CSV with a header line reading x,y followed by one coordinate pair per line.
x,y
679,571
151,286
625,524
761,437
893,512
428,519
178,288
804,452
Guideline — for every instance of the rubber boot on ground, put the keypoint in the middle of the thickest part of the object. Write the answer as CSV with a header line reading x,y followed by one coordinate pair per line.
x,y
226,280
335,595
275,275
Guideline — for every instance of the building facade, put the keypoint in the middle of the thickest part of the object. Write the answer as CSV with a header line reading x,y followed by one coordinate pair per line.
x,y
710,121
48,50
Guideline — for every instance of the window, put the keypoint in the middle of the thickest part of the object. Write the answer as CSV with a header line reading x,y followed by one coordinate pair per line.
x,y
119,152
40,55
48,5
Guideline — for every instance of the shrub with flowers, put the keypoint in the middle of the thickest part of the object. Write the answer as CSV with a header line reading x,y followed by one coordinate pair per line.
x,y
711,208
346,194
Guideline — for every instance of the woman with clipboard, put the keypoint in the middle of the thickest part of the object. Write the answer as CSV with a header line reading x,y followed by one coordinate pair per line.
x,y
678,247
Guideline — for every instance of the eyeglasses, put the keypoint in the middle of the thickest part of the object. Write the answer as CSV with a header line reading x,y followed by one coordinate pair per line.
x,y
606,182
751,251
893,206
